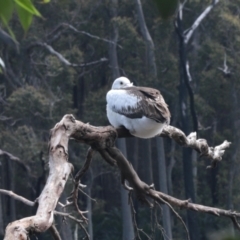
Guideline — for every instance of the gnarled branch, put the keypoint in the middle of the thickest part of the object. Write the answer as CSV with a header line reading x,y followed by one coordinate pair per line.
x,y
102,139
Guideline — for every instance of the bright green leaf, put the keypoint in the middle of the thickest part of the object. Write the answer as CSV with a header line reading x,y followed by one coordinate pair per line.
x,y
9,30
28,6
6,9
25,17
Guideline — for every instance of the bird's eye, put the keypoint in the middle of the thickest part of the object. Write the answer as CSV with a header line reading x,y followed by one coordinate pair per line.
x,y
121,83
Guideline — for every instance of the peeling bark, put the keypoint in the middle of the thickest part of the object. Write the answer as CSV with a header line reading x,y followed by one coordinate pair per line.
x,y
102,139
59,170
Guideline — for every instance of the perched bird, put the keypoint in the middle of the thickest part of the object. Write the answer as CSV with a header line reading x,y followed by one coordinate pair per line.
x,y
141,110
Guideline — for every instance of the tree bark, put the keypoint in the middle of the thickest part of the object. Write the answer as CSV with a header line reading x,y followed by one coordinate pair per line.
x,y
11,178
184,91
89,206
63,223
128,232
1,206
150,55
59,170
166,218
102,140
152,72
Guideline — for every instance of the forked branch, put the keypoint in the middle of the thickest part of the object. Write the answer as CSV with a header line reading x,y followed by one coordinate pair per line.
x,y
102,139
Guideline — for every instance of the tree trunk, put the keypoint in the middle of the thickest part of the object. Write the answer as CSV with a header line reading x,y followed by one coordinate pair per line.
x,y
152,72
236,145
89,206
185,126
63,225
76,232
11,167
145,160
150,55
59,170
128,231
163,188
1,203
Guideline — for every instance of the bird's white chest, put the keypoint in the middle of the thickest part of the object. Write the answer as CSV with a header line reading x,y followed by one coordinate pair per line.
x,y
140,127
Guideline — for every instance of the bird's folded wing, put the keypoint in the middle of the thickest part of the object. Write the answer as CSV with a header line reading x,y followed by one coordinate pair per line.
x,y
136,102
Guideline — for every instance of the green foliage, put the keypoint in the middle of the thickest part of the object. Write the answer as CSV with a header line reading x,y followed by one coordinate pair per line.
x,y
107,220
29,103
166,8
24,8
39,89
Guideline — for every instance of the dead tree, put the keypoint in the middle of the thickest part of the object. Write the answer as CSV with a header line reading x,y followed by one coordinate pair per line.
x,y
102,140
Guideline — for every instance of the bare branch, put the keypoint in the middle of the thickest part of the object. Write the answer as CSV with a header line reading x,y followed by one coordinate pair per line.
x,y
55,232
90,35
61,28
144,191
191,30
16,159
200,145
133,212
192,206
102,139
68,216
59,170
225,69
63,59
188,72
78,177
17,197
178,216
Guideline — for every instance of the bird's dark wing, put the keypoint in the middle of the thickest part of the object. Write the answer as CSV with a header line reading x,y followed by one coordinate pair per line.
x,y
154,105
149,103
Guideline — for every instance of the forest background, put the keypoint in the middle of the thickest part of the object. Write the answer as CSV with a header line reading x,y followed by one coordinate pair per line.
x,y
64,63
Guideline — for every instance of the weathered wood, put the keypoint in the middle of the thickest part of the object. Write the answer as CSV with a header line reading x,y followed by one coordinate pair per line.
x,y
102,139
59,170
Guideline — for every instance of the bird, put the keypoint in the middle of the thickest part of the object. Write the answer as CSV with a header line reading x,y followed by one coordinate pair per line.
x,y
141,110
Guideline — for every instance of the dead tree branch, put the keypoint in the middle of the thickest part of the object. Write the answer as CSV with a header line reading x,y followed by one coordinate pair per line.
x,y
59,170
200,145
102,139
189,32
17,197
16,159
55,232
63,59
77,179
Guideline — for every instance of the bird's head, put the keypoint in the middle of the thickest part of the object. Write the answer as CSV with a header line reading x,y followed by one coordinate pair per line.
x,y
121,82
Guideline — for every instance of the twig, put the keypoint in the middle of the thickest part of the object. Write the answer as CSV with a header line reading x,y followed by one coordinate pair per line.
x,y
78,177
200,145
90,35
178,216
17,197
16,159
133,212
55,232
63,59
68,216
198,21
94,200
85,231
